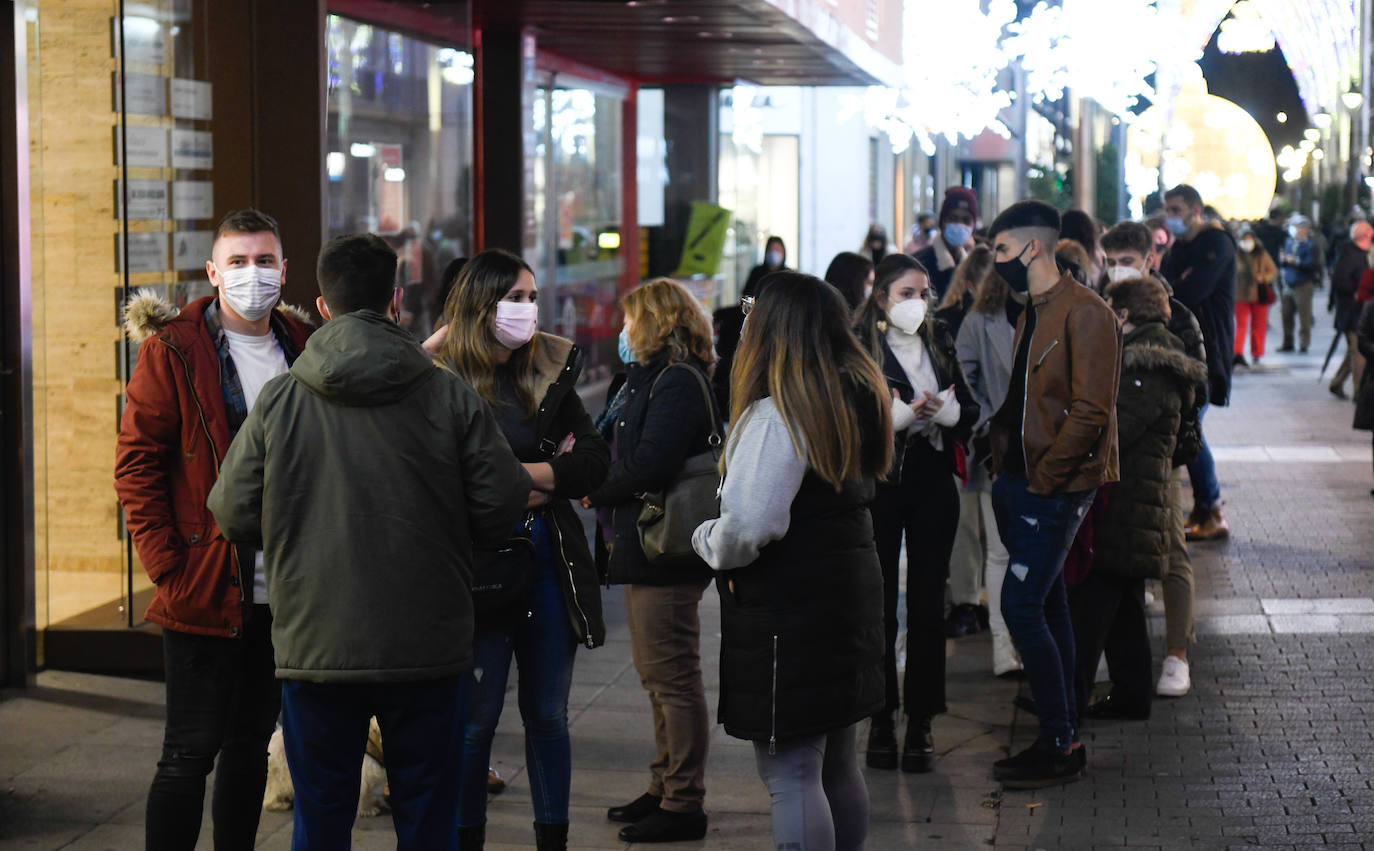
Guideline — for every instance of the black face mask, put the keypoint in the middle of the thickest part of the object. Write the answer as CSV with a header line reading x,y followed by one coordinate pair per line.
x,y
1014,272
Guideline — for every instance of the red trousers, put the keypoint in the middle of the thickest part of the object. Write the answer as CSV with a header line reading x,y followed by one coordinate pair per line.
x,y
1256,317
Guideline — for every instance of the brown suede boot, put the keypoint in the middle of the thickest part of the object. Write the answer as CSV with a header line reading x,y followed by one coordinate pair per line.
x,y
1213,526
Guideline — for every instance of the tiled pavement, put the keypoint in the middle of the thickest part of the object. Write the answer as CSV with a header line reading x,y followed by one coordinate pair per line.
x,y
1269,749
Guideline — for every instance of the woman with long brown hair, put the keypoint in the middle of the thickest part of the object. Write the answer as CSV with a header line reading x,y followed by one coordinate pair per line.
x,y
799,579
663,415
932,417
529,380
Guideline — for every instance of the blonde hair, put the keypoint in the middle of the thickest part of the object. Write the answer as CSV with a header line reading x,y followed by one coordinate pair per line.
x,y
665,315
968,276
798,350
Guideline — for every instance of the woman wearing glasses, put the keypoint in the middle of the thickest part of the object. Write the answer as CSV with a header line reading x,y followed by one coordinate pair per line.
x,y
662,415
933,412
798,576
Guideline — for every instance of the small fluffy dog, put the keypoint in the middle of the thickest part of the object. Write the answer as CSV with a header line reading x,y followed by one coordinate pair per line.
x,y
280,793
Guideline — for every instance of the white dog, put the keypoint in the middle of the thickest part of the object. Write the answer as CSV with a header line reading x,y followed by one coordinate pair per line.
x,y
280,793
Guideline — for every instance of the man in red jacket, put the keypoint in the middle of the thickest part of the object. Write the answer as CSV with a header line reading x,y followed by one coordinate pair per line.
x,y
198,374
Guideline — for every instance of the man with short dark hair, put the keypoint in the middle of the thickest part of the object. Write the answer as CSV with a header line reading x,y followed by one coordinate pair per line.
x,y
199,373
367,475
1201,268
1054,444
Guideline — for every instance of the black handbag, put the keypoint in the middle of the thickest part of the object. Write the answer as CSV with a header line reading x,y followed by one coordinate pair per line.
x,y
503,581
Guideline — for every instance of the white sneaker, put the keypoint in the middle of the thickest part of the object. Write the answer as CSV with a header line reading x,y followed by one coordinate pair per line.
x,y
1174,680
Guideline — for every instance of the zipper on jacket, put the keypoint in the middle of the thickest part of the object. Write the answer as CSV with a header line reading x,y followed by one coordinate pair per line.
x,y
1046,353
572,586
1025,397
773,730
214,453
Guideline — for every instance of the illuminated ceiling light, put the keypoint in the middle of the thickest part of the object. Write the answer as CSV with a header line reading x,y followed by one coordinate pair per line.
x,y
394,175
1245,31
1322,119
362,150
1311,134
1282,118
1353,99
608,240
334,162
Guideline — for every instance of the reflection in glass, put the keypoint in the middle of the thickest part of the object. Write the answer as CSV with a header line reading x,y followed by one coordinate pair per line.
x,y
399,158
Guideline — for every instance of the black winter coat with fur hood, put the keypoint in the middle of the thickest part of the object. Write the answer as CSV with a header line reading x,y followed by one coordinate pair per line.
x,y
1158,383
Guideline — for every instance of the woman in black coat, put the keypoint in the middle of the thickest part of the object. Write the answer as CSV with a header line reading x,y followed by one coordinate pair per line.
x,y
920,498
800,585
662,415
1364,403
528,379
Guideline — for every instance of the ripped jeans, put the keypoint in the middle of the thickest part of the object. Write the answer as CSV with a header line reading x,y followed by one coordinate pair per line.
x,y
1037,531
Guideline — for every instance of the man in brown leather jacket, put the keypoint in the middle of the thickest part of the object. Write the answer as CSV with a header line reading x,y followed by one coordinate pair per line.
x,y
1054,444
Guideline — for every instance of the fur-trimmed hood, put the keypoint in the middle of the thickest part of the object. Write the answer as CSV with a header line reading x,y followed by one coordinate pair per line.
x,y
1150,347
148,314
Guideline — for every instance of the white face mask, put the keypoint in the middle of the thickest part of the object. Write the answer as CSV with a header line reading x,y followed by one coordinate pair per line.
x,y
1247,245
252,291
1123,273
516,323
908,315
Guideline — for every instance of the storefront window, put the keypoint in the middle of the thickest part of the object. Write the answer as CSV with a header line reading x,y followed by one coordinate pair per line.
x,y
576,189
399,153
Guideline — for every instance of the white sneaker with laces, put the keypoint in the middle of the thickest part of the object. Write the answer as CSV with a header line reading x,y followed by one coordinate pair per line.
x,y
1174,680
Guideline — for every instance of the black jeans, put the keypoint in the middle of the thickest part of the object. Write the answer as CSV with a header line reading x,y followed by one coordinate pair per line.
x,y
223,698
924,505
1108,613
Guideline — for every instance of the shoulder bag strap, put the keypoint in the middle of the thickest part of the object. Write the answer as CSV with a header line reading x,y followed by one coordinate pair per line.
x,y
715,440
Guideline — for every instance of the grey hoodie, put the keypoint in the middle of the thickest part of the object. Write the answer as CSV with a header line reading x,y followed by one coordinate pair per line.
x,y
366,474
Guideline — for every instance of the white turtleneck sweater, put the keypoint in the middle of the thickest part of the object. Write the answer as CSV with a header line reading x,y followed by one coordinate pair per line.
x,y
910,351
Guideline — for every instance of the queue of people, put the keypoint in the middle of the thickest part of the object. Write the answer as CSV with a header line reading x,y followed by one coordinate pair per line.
x,y
271,471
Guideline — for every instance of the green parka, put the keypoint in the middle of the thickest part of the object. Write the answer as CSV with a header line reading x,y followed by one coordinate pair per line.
x,y
366,474
1158,382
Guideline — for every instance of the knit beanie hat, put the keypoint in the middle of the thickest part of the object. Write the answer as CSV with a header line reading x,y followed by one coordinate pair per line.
x,y
959,198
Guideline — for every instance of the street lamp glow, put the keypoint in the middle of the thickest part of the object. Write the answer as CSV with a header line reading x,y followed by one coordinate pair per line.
x,y
1322,119
1318,154
1352,99
1282,118
1311,134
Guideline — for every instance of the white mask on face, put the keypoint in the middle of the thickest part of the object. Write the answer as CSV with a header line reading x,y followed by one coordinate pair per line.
x,y
908,315
252,291
1122,273
516,322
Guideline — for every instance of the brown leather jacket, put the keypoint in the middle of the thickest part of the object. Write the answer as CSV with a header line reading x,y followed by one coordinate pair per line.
x,y
1073,369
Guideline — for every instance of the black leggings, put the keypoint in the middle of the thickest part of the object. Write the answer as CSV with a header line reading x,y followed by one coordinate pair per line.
x,y
924,505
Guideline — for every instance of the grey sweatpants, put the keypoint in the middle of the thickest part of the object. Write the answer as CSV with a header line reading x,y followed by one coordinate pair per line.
x,y
820,800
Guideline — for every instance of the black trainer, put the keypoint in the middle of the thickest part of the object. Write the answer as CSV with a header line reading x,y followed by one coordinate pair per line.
x,y
1038,766
1113,707
635,810
918,756
665,826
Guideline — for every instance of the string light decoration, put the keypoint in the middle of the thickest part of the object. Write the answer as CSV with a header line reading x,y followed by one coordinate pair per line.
x,y
950,87
1321,41
1245,31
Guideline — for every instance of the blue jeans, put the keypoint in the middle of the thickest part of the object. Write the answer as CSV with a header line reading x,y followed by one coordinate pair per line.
x,y
543,646
1037,531
1203,473
325,727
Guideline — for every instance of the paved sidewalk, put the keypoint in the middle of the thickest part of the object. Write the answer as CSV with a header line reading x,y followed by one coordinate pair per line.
x,y
1269,749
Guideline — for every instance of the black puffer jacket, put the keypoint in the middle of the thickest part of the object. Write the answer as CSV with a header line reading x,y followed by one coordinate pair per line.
x,y
655,434
576,473
1158,382
802,627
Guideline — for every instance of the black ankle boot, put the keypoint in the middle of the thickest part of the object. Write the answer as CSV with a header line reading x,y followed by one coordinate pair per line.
x,y
882,742
472,838
550,837
918,756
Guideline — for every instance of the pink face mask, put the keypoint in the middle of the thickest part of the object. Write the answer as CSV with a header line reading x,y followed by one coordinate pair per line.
x,y
516,323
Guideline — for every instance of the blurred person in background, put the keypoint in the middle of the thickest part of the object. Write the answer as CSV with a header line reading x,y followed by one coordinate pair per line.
x,y
1302,264
875,244
727,321
958,218
964,288
922,233
1256,289
1351,264
1084,230
852,275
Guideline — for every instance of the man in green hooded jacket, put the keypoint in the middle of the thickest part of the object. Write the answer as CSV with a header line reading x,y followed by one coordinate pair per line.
x,y
366,475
